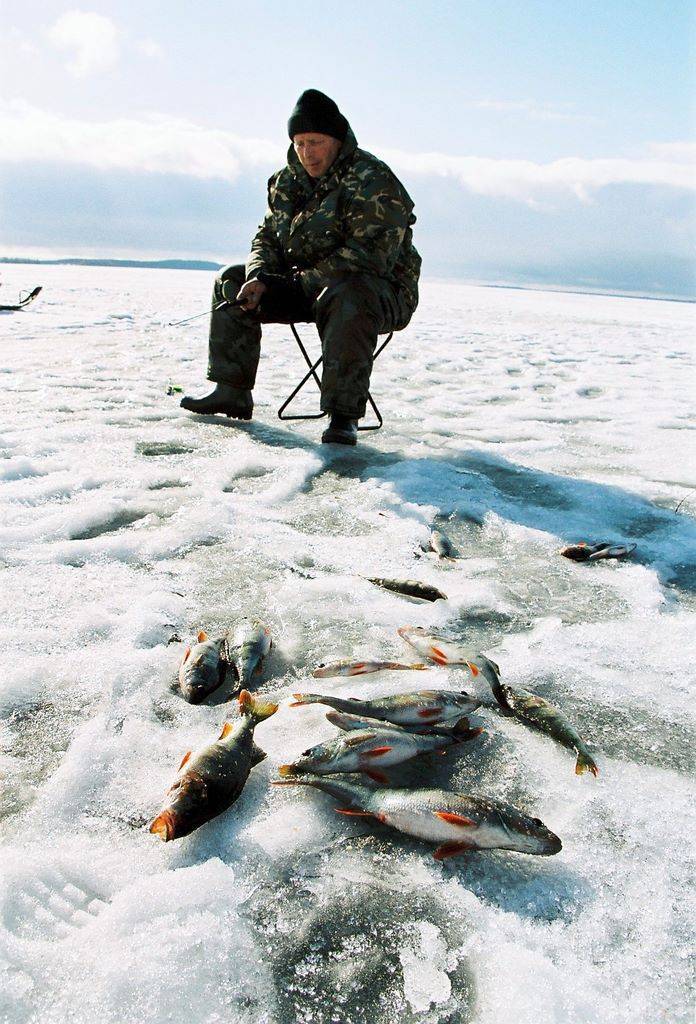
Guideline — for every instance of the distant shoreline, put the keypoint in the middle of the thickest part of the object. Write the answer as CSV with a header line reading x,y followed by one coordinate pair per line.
x,y
143,264
209,265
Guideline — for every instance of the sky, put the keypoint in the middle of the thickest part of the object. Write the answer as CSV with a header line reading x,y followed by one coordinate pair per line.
x,y
541,142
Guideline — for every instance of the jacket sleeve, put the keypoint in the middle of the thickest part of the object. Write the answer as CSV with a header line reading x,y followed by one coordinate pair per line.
x,y
377,219
266,253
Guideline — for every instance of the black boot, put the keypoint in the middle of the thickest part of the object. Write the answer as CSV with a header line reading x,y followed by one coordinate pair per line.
x,y
341,430
234,402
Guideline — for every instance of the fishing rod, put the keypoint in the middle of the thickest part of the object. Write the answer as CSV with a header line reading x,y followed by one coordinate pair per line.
x,y
206,312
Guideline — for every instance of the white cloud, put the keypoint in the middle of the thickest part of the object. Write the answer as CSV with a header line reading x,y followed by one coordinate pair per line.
x,y
149,48
529,182
165,145
685,151
158,144
535,111
92,40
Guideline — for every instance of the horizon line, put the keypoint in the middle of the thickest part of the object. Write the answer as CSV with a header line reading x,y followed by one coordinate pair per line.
x,y
178,263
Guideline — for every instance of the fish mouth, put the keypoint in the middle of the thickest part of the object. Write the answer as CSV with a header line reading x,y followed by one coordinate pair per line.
x,y
164,826
552,845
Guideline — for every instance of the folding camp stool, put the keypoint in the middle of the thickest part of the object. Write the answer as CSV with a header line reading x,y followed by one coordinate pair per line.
x,y
312,372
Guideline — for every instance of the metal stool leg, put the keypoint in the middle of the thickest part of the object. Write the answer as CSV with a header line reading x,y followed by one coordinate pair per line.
x,y
312,372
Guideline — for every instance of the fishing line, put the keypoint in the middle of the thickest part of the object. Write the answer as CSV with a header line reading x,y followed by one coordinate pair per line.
x,y
213,309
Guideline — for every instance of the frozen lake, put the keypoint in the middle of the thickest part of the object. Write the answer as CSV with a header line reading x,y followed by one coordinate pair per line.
x,y
518,421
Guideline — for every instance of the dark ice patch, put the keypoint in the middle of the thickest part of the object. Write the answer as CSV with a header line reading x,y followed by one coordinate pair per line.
x,y
154,448
111,524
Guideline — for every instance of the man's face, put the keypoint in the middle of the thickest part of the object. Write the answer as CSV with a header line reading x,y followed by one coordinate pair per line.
x,y
316,152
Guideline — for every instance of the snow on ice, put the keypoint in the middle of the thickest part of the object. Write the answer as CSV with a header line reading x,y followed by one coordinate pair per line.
x,y
516,421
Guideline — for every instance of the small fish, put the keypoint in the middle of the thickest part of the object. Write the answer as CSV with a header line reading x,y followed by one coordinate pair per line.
x,y
442,545
369,751
409,588
211,780
611,551
584,552
360,668
426,707
458,728
541,715
202,668
444,651
456,822
250,645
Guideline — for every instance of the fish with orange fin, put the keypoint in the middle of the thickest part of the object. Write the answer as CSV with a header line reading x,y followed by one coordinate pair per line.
x,y
457,823
426,707
445,651
408,588
328,670
455,731
203,668
584,552
541,715
368,750
210,780
249,646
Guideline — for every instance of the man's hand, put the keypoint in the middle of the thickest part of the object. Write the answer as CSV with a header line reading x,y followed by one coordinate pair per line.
x,y
248,296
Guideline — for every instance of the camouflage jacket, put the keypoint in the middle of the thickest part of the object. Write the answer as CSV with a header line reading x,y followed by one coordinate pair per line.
x,y
357,218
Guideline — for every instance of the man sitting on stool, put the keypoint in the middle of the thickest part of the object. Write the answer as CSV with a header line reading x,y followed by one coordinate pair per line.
x,y
334,249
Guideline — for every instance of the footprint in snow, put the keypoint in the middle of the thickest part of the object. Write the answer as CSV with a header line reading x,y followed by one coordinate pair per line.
x,y
54,903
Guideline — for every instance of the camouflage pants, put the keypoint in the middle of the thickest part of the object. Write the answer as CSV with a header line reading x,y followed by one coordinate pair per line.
x,y
349,313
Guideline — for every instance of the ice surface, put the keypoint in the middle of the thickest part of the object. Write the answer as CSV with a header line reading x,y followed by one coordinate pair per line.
x,y
516,422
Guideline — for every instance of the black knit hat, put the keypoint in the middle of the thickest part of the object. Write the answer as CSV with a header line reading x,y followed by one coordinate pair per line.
x,y
315,112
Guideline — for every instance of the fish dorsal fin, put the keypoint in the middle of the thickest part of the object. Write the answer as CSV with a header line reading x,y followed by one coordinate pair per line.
x,y
184,759
428,693
226,730
357,738
202,636
456,819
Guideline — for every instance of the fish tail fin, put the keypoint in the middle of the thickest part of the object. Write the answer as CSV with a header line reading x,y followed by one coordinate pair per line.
x,y
254,708
585,763
306,698
162,826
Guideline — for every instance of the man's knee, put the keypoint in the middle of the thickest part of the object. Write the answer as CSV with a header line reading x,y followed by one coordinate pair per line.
x,y
351,296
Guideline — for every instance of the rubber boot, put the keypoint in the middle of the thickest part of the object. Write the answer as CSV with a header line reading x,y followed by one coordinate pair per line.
x,y
234,402
341,430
